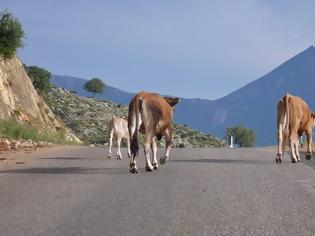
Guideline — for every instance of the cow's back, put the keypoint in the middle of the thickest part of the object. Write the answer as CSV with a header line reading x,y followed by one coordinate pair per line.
x,y
158,106
299,110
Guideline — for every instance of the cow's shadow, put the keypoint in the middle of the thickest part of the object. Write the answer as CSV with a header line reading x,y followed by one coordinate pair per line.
x,y
221,161
62,158
67,170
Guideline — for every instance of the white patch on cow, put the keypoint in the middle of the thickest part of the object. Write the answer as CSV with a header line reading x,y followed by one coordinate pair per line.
x,y
284,122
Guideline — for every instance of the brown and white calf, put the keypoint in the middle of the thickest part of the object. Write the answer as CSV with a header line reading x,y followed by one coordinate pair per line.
x,y
118,129
294,119
152,114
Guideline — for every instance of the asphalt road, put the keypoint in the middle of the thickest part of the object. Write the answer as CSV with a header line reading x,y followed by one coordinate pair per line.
x,y
77,191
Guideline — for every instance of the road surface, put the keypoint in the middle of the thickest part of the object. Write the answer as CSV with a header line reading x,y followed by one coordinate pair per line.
x,y
77,191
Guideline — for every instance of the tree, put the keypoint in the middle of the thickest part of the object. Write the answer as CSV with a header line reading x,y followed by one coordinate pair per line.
x,y
94,86
11,35
40,78
244,137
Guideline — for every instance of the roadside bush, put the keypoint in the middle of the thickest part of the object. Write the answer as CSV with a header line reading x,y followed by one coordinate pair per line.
x,y
244,137
11,129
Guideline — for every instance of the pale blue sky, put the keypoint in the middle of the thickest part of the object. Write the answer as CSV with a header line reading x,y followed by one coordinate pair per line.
x,y
193,48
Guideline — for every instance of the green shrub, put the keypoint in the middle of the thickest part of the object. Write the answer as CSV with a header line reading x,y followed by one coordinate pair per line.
x,y
244,137
11,35
40,78
11,129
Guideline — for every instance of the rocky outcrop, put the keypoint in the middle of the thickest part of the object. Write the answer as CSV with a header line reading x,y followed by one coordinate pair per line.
x,y
19,100
19,145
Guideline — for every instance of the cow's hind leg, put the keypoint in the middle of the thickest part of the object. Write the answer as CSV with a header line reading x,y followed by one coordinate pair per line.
x,y
128,148
133,164
168,139
133,140
154,150
282,135
147,149
308,154
296,149
292,147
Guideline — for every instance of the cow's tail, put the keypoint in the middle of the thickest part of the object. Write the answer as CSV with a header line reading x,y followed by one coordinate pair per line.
x,y
287,118
134,147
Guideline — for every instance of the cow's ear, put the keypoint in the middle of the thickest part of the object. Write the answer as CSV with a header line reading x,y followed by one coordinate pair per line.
x,y
172,100
313,115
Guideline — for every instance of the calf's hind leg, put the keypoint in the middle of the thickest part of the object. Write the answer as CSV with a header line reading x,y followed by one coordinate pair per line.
x,y
118,153
111,136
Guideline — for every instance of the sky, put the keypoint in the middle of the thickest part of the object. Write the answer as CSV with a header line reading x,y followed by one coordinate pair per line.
x,y
191,49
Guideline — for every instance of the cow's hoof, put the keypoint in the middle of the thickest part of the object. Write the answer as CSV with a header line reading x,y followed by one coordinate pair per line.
x,y
108,156
294,161
148,169
133,170
308,156
163,160
129,155
118,157
278,158
155,166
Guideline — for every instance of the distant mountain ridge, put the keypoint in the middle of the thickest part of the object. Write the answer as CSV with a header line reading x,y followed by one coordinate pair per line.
x,y
76,84
253,105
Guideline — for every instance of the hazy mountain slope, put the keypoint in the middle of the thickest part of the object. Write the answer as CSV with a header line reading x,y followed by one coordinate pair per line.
x,y
253,105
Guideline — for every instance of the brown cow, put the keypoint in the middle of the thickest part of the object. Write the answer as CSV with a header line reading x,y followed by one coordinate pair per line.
x,y
118,129
294,119
152,114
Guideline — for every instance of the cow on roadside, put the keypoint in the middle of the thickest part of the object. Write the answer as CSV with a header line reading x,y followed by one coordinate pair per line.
x,y
294,119
152,115
118,129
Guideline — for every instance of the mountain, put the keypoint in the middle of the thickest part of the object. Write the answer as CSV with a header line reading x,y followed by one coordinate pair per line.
x,y
253,106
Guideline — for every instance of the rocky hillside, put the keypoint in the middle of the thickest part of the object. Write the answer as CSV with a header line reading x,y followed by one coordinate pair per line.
x,y
20,101
88,119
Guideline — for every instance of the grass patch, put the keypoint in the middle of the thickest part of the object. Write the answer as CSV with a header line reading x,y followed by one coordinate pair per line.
x,y
11,129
